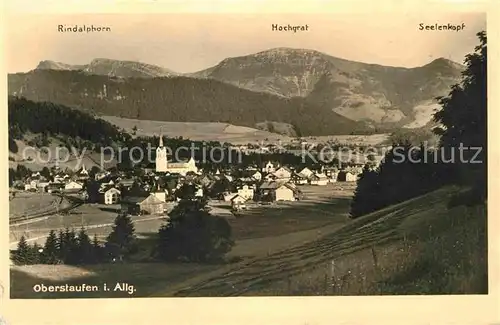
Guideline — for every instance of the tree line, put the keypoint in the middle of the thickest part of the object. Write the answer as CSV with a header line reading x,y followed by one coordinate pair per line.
x,y
190,234
462,123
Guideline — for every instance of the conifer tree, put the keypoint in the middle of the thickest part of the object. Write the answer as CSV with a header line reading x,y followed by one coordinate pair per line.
x,y
35,252
85,249
50,249
21,255
96,250
193,234
121,242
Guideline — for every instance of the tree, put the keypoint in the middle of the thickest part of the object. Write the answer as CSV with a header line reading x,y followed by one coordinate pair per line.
x,y
21,255
193,234
22,172
92,190
50,253
85,249
463,120
366,196
121,242
97,250
45,172
35,254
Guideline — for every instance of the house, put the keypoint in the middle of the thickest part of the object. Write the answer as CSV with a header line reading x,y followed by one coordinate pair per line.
x,y
269,177
137,205
112,196
229,196
73,186
55,187
269,168
283,173
256,175
127,183
345,176
277,191
161,195
100,175
199,192
284,193
82,174
238,202
318,179
299,179
246,192
306,172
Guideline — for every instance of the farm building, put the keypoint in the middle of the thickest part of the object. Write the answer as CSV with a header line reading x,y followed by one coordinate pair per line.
x,y
318,179
136,205
71,186
55,187
277,191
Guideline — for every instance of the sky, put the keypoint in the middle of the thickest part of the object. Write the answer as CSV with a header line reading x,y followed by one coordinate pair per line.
x,y
186,42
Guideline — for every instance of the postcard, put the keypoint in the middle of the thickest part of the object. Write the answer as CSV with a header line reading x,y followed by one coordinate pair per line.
x,y
301,158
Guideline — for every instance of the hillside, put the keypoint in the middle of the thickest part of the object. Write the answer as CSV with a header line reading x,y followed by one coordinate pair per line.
x,y
359,91
403,239
113,68
201,131
177,99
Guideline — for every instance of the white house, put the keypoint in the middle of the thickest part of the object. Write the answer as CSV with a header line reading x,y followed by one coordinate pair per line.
x,y
306,172
284,193
112,196
73,186
257,175
283,173
269,168
318,179
199,192
246,192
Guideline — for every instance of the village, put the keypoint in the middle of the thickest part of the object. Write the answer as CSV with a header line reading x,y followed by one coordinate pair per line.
x,y
154,190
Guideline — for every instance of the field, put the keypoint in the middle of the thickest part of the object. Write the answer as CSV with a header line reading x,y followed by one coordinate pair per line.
x,y
30,204
223,132
315,211
213,131
418,246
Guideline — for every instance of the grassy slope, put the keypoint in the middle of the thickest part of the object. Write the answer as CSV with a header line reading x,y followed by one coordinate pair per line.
x,y
416,247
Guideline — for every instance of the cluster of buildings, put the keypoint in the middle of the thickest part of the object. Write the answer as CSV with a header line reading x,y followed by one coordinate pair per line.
x,y
156,190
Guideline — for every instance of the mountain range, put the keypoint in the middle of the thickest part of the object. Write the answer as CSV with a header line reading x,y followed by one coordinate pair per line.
x,y
265,90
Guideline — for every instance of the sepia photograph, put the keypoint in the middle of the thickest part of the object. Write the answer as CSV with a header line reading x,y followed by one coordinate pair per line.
x,y
257,155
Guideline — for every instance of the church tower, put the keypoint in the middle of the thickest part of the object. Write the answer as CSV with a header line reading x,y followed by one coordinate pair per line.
x,y
161,157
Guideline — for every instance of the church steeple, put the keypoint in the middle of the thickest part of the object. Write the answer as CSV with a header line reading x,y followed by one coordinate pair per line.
x,y
161,156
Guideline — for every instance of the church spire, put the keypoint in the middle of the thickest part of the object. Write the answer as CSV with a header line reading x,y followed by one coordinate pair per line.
x,y
161,140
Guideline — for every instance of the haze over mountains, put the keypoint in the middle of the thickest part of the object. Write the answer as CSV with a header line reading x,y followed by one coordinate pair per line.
x,y
300,91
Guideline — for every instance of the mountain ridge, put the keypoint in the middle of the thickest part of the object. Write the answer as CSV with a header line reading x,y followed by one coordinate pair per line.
x,y
374,94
